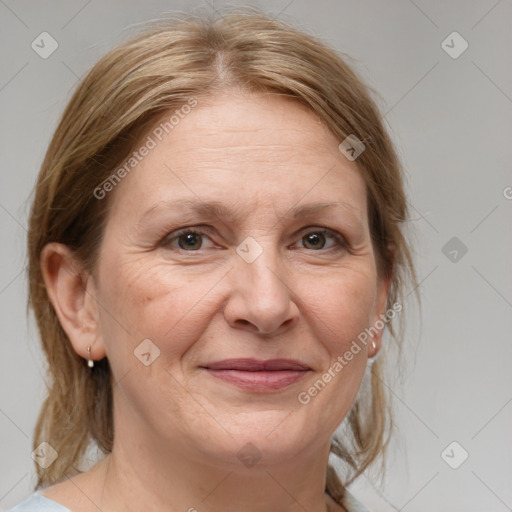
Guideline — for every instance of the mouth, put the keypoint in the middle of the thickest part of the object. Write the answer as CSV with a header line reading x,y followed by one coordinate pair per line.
x,y
258,375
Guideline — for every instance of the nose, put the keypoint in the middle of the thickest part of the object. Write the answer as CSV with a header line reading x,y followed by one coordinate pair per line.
x,y
261,300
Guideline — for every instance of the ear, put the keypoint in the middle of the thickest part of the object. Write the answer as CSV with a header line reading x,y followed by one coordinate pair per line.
x,y
72,294
379,314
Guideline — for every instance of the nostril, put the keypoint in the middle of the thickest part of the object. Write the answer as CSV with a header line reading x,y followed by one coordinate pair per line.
x,y
243,322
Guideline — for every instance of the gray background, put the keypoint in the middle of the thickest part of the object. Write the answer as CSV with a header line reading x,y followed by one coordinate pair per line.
x,y
451,120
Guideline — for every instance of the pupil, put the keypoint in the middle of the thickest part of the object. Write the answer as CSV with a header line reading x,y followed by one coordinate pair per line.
x,y
192,241
314,239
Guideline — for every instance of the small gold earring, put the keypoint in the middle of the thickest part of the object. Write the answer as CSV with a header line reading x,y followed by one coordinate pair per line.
x,y
90,362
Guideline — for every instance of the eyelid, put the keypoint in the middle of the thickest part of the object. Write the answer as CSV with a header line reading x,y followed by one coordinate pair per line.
x,y
340,239
198,229
204,230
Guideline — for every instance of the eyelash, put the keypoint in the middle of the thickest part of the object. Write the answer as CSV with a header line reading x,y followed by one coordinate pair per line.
x,y
340,241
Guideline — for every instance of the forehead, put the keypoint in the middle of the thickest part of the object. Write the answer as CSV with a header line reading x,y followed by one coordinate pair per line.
x,y
254,149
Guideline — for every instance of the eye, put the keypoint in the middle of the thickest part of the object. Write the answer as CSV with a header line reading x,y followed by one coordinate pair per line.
x,y
316,240
186,240
191,240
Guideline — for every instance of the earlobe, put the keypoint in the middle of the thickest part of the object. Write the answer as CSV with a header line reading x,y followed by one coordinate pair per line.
x,y
69,289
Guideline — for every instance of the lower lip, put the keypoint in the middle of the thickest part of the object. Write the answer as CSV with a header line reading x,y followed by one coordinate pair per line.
x,y
259,381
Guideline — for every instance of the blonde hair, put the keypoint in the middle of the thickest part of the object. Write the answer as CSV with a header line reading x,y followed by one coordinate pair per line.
x,y
114,106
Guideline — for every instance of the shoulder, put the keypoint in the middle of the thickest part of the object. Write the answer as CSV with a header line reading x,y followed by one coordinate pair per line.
x,y
352,504
349,503
38,502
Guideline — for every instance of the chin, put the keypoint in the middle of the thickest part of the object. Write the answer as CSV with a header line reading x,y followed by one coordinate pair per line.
x,y
264,439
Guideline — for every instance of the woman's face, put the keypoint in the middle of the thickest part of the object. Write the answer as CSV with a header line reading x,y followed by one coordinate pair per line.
x,y
240,239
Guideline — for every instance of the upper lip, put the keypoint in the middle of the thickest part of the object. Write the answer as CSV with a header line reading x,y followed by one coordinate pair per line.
x,y
257,365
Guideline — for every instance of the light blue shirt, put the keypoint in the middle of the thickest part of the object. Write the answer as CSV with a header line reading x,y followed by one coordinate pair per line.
x,y
39,503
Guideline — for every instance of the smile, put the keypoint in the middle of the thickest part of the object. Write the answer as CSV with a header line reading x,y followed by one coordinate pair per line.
x,y
256,375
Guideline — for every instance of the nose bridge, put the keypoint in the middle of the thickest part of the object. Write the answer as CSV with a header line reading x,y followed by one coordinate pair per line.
x,y
262,272
261,292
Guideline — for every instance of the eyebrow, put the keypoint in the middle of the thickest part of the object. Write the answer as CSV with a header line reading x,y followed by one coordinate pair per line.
x,y
217,209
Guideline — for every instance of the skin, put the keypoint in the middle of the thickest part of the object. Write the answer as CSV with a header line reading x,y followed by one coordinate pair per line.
x,y
178,429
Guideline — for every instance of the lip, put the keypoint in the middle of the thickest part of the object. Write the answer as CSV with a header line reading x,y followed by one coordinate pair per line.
x,y
255,365
258,375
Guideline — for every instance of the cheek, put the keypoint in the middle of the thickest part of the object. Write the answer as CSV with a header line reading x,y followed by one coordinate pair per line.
x,y
341,310
342,306
148,300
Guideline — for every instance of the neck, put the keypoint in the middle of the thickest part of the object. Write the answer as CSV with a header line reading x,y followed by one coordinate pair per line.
x,y
139,476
